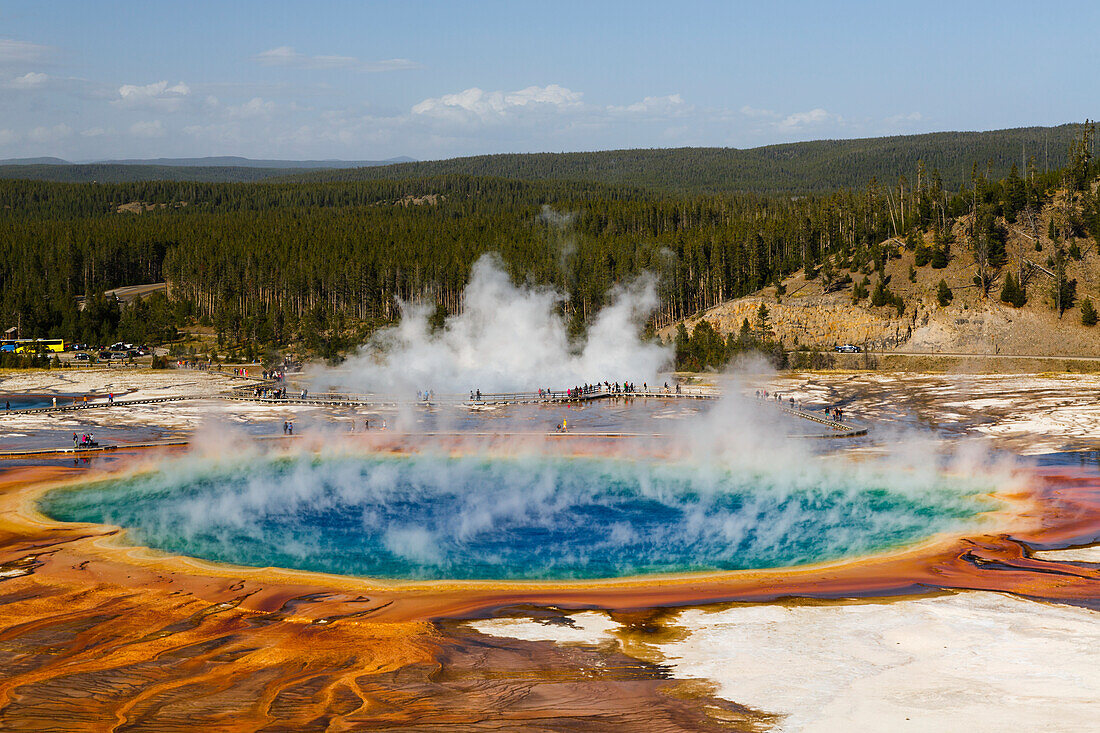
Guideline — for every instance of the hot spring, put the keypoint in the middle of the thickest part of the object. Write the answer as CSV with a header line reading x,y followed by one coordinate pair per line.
x,y
427,516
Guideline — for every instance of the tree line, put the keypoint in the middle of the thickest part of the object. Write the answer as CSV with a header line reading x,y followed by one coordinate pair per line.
x,y
820,166
324,263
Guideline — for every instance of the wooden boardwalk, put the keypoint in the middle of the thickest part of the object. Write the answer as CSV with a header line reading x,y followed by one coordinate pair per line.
x,y
361,400
85,452
82,406
494,399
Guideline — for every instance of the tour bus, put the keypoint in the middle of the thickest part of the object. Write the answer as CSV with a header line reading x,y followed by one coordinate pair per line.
x,y
32,346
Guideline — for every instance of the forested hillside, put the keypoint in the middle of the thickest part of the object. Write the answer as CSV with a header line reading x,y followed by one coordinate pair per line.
x,y
812,167
797,168
322,263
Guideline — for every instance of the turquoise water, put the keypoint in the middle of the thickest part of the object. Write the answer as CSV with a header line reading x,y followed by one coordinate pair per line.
x,y
434,517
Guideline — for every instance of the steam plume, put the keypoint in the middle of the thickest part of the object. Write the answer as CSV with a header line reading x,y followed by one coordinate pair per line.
x,y
510,338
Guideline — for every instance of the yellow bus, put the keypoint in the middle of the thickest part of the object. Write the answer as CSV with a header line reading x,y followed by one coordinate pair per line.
x,y
32,346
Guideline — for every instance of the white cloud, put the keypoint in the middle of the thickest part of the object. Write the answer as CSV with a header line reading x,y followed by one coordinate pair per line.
x,y
49,134
901,119
16,52
30,80
815,116
157,89
94,132
158,95
672,104
8,136
677,132
205,132
152,128
38,81
757,112
287,56
255,107
475,104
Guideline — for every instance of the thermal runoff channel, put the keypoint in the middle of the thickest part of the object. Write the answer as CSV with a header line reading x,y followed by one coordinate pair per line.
x,y
538,517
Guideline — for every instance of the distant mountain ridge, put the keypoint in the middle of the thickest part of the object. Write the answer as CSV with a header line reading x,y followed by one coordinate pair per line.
x,y
35,161
116,173
218,169
216,161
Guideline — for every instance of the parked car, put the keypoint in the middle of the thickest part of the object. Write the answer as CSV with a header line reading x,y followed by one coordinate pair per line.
x,y
848,349
81,356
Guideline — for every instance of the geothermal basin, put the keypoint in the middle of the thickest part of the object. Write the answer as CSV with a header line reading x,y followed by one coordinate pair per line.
x,y
534,516
681,572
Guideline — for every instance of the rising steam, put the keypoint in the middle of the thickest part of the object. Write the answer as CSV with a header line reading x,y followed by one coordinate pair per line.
x,y
510,338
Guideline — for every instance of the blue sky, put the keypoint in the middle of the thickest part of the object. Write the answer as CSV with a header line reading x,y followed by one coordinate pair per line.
x,y
362,80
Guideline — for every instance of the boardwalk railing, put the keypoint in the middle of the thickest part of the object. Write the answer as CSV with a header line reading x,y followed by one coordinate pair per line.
x,y
843,430
267,393
98,402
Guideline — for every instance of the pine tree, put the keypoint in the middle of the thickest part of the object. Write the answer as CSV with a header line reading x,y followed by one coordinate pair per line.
x,y
1088,313
943,294
1013,293
763,328
744,337
683,346
923,255
939,257
707,346
1064,291
881,295
1080,155
1015,195
861,290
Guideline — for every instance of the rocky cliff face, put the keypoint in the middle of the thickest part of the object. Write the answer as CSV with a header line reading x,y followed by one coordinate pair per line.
x,y
972,323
